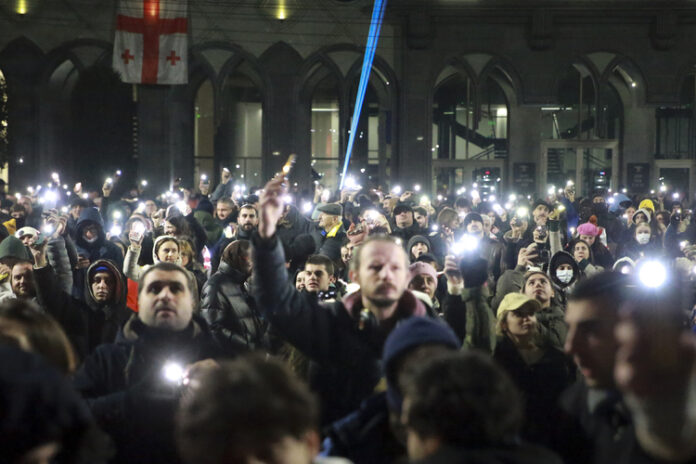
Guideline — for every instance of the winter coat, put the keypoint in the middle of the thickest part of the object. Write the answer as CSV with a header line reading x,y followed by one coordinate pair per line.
x,y
221,244
365,436
468,313
406,233
212,228
231,311
541,385
123,385
105,320
551,320
68,311
100,249
329,246
596,427
343,341
11,248
634,250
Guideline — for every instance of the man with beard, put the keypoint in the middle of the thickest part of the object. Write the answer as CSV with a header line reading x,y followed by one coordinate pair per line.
x,y
132,386
343,339
247,221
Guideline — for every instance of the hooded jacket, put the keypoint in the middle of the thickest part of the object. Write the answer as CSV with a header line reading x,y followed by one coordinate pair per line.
x,y
124,388
105,320
563,257
130,265
413,241
101,248
231,312
343,340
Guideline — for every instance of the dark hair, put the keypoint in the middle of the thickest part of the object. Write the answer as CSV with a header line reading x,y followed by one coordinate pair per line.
x,y
446,216
45,336
232,253
180,224
462,202
241,409
249,206
609,288
165,266
420,210
321,260
17,208
464,399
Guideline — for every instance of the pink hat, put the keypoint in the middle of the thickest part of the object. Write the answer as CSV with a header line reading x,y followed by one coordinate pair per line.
x,y
419,268
588,229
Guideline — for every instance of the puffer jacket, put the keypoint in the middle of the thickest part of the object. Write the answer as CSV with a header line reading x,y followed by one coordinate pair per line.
x,y
57,254
105,320
231,312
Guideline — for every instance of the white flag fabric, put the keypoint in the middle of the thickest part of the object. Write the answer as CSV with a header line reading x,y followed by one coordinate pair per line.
x,y
151,42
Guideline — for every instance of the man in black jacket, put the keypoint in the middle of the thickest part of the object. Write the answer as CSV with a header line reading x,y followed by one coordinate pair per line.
x,y
132,386
330,234
405,225
247,222
343,339
227,305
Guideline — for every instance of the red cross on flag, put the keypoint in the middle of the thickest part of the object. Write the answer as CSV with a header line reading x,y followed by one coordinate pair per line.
x,y
151,42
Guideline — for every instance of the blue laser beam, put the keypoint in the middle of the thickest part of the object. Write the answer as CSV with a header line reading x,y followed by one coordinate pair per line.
x,y
370,48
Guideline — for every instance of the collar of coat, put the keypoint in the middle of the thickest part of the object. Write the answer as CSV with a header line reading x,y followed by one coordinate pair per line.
x,y
334,230
407,306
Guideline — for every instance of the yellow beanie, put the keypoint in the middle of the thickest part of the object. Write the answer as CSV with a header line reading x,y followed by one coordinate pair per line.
x,y
647,204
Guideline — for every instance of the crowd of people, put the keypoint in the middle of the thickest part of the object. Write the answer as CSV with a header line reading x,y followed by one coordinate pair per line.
x,y
364,325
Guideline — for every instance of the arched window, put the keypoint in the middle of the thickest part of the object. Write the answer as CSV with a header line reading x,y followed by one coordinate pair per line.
x,y
326,131
204,131
243,125
575,116
676,132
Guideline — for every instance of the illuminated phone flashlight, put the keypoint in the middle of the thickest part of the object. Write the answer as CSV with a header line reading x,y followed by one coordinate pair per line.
x,y
204,177
560,208
351,184
307,207
434,228
65,186
624,190
371,215
109,180
551,190
424,200
325,196
439,198
55,177
118,173
143,183
663,188
18,195
475,185
396,190
117,215
115,230
522,212
652,274
652,192
173,372
675,195
570,183
625,269
48,229
475,194
611,200
226,169
683,244
609,190
181,206
491,197
466,244
30,189
138,227
64,209
85,196
498,209
287,199
508,206
51,196
572,231
417,187
512,197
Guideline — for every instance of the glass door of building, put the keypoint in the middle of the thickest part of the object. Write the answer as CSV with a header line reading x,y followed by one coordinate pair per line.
x,y
677,175
450,175
591,164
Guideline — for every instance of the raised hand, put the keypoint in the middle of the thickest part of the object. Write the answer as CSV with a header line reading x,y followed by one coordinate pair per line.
x,y
271,206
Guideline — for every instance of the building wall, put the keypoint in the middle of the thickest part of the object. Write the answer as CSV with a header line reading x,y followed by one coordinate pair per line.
x,y
44,52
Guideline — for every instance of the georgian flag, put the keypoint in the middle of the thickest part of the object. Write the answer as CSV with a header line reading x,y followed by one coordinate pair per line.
x,y
151,42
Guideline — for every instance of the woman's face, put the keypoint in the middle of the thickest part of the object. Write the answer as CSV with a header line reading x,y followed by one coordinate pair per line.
x,y
299,281
185,259
418,249
588,238
168,252
521,323
643,233
169,228
630,211
639,218
564,267
580,252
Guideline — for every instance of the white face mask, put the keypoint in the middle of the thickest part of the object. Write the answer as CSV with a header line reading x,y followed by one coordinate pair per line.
x,y
90,240
643,237
565,275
